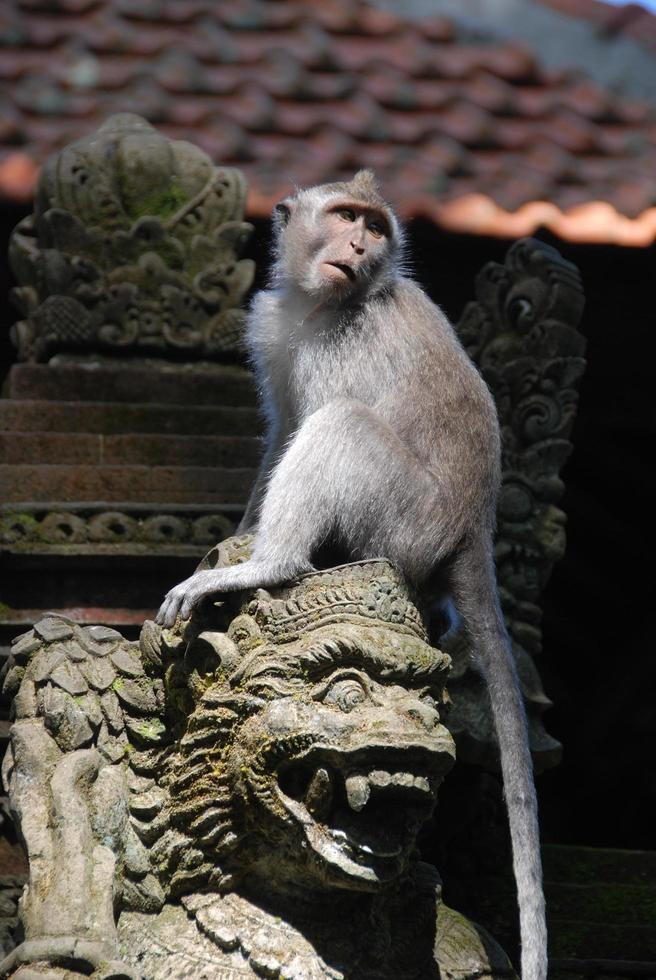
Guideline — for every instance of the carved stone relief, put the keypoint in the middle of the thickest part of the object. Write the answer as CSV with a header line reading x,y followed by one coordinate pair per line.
x,y
133,246
241,796
522,333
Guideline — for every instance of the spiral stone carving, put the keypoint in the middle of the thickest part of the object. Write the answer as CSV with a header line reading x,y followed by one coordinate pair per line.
x,y
521,330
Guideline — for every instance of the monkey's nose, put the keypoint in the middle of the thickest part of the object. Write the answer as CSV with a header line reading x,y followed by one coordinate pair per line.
x,y
358,248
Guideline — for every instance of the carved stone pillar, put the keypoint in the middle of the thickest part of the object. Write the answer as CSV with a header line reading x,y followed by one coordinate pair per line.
x,y
128,426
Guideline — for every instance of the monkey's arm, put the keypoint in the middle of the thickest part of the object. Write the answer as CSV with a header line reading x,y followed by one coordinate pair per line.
x,y
273,399
345,467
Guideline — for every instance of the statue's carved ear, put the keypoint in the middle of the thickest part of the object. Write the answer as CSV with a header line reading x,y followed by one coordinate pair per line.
x,y
221,646
245,632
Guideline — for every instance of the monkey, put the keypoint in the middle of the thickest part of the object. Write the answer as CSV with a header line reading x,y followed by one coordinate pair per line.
x,y
381,434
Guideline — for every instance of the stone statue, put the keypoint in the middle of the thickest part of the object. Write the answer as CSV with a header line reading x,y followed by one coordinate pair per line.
x,y
240,799
522,333
132,249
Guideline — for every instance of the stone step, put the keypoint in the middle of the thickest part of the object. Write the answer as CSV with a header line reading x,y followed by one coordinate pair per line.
x,y
111,418
592,940
145,484
597,865
147,450
614,903
164,384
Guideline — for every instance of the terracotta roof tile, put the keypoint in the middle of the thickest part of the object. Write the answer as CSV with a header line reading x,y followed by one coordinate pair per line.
x,y
476,136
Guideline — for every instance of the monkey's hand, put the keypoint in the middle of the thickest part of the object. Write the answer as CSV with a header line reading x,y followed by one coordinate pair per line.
x,y
180,600
251,574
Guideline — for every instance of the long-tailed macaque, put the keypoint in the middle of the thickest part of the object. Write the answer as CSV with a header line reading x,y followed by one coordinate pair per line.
x,y
382,436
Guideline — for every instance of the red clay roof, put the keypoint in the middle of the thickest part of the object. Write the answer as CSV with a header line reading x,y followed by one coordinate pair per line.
x,y
476,136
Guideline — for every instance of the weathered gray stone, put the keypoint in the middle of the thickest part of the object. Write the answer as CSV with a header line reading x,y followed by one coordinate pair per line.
x,y
66,720
99,640
99,673
73,651
53,628
127,662
89,704
25,703
112,712
69,678
142,258
103,634
12,680
146,730
47,661
24,645
286,765
148,804
135,696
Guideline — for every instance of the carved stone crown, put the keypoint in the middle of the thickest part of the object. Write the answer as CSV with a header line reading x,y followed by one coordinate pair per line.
x,y
370,592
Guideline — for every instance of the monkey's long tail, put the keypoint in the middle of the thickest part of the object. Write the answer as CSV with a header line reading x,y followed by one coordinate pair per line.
x,y
477,600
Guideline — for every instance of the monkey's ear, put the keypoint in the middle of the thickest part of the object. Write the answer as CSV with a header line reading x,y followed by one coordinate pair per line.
x,y
282,213
367,182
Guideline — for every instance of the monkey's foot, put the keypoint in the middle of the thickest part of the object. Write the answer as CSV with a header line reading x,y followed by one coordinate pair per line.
x,y
180,601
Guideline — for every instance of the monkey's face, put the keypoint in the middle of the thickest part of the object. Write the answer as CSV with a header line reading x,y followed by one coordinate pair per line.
x,y
334,247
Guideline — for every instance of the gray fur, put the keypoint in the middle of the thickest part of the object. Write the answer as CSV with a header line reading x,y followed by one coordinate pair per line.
x,y
381,432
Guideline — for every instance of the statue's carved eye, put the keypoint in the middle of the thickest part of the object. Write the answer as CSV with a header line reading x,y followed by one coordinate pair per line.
x,y
346,694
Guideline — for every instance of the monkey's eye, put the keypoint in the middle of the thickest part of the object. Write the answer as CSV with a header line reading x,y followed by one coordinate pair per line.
x,y
283,212
348,214
376,229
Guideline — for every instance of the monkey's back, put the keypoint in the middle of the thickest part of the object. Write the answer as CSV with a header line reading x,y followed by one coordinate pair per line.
x,y
399,356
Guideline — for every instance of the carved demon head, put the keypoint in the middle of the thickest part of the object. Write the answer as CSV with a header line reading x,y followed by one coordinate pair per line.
x,y
312,748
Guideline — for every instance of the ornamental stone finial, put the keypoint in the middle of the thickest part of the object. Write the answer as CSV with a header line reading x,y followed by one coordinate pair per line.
x,y
133,246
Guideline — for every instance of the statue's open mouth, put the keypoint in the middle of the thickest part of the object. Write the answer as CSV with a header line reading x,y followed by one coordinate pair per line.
x,y
361,810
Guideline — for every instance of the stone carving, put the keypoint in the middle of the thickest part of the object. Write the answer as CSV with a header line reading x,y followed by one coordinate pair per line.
x,y
133,246
162,527
241,797
522,333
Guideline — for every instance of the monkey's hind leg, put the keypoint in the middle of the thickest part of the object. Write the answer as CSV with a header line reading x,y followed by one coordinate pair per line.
x,y
347,472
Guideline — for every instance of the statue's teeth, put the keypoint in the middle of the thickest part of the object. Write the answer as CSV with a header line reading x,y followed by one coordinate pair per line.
x,y
319,794
405,780
357,792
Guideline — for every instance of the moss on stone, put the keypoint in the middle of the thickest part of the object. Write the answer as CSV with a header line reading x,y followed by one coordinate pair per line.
x,y
161,203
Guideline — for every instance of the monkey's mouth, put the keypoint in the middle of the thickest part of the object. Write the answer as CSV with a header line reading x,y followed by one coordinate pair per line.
x,y
361,811
345,270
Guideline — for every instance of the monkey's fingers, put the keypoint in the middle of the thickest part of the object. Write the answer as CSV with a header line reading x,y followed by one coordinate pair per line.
x,y
168,611
181,599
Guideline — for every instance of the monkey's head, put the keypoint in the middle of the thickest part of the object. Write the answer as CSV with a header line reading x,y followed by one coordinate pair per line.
x,y
337,241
